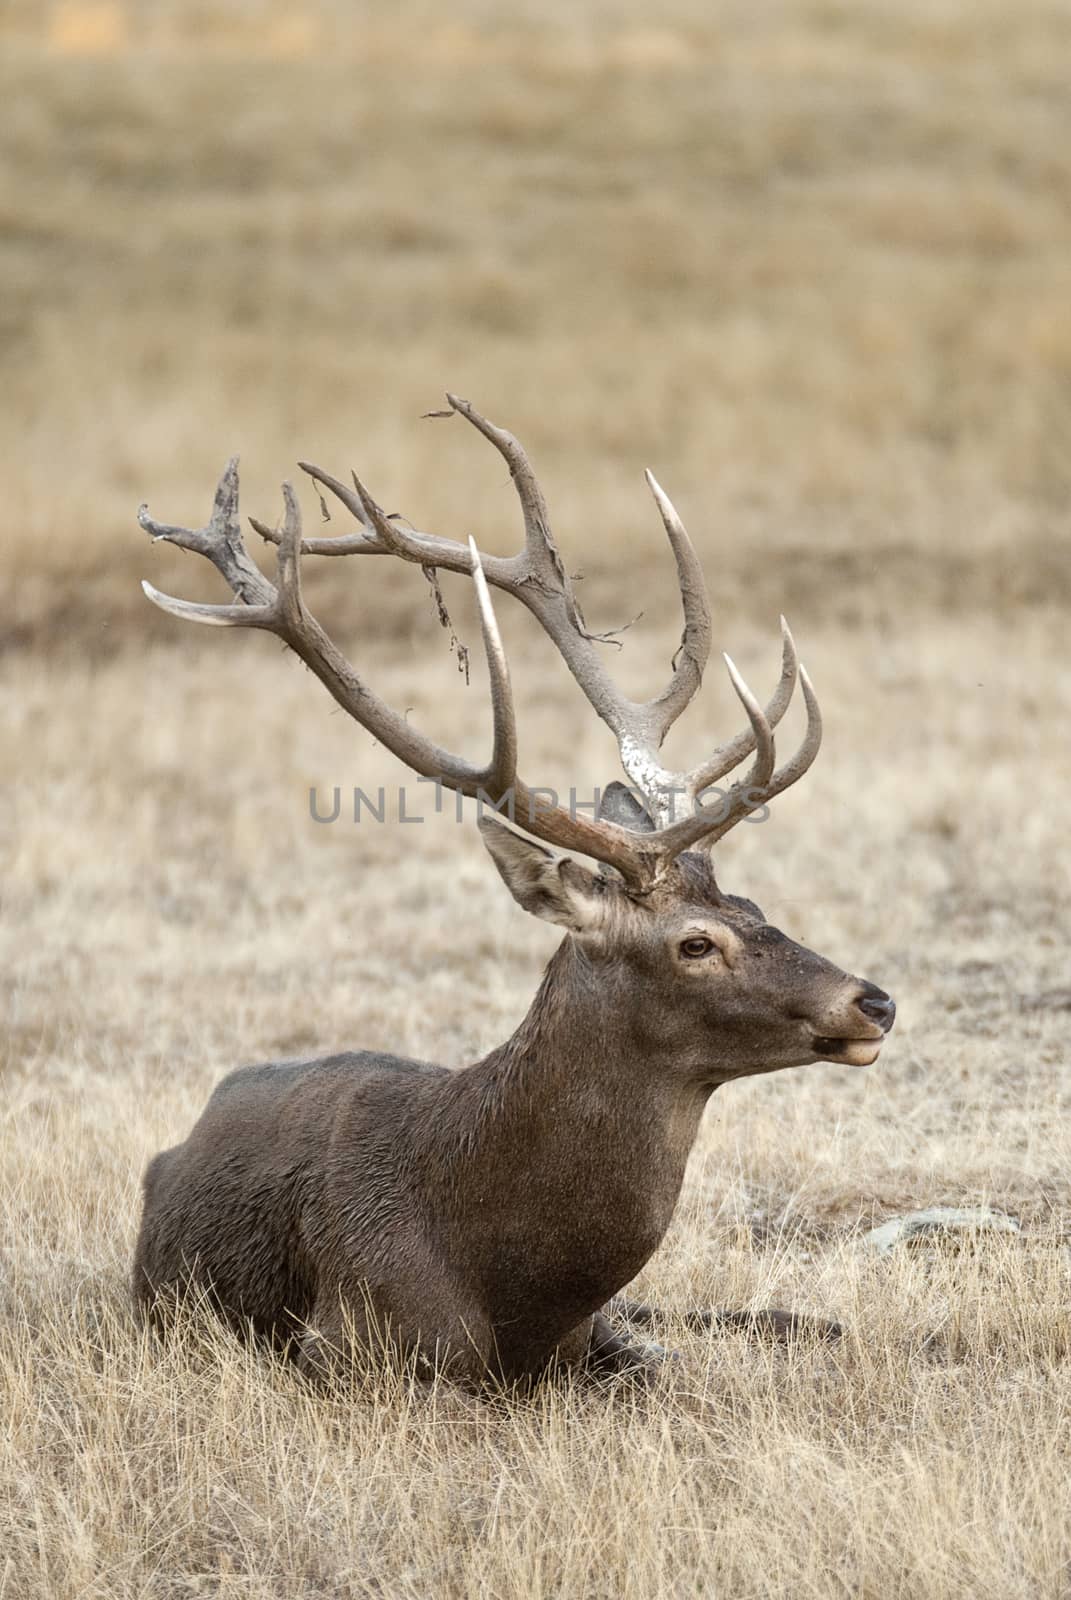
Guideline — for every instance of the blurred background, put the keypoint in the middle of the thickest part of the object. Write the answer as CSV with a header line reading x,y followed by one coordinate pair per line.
x,y
810,261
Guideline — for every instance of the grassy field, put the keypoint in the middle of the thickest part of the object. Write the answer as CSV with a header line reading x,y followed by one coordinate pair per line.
x,y
810,262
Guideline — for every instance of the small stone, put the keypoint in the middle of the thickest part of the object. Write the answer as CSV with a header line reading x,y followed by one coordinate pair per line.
x,y
950,1221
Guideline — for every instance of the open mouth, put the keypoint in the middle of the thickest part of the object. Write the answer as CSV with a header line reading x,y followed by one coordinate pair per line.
x,y
848,1052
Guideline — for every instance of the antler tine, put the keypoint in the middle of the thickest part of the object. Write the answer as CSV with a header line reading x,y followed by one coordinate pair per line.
x,y
793,769
239,616
222,527
504,757
694,830
803,759
395,539
352,499
730,754
290,607
220,541
540,547
760,786
694,649
340,545
762,733
282,606
603,840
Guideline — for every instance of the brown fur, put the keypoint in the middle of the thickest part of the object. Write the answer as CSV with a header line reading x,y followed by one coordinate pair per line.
x,y
480,1219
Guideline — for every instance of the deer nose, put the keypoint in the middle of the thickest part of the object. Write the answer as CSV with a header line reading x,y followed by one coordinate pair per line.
x,y
877,1006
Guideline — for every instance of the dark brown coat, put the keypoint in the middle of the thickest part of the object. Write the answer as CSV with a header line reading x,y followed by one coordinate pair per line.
x,y
480,1219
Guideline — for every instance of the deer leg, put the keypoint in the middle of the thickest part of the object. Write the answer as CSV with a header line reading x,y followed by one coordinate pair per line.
x,y
320,1351
348,1334
779,1326
611,1354
783,1327
633,1312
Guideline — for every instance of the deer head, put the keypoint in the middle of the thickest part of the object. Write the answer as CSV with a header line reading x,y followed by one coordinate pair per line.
x,y
698,981
712,988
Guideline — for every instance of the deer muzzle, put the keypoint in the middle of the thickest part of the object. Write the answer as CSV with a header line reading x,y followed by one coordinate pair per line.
x,y
876,1012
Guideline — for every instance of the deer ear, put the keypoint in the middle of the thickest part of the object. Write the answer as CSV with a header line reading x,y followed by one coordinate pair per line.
x,y
555,888
625,806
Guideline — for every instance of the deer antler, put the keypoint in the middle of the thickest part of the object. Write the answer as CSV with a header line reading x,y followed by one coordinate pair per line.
x,y
537,577
280,608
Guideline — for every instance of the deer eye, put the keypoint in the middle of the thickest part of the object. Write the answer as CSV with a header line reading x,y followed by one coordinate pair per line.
x,y
695,948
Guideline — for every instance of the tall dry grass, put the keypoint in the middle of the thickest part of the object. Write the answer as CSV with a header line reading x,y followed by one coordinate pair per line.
x,y
811,264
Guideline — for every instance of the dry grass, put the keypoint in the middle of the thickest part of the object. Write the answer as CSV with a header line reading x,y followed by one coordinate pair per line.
x,y
814,269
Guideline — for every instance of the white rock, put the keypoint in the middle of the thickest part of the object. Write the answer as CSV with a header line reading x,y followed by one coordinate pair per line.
x,y
950,1220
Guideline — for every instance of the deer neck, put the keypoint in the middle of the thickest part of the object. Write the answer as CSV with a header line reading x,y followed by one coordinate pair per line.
x,y
574,1112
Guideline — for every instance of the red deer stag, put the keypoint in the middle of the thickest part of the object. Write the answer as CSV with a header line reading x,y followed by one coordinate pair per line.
x,y
487,1217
